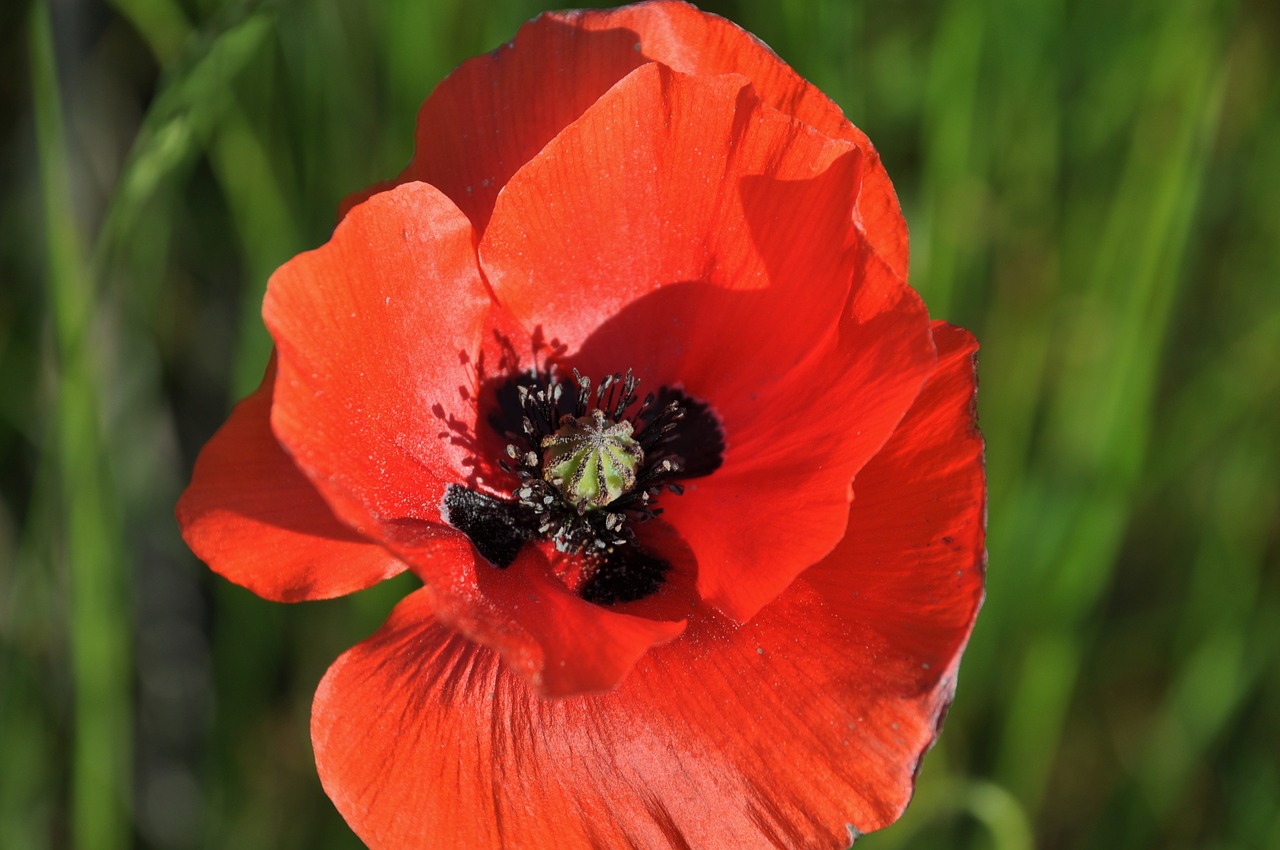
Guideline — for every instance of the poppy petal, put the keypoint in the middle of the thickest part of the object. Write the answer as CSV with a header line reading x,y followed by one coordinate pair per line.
x,y
501,108
504,107
561,643
580,647
424,739
802,728
780,502
917,528
684,199
689,182
356,198
256,519
376,332
693,42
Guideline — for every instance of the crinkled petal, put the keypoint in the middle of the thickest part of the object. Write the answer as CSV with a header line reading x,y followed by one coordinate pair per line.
x,y
797,729
560,643
671,230
376,332
694,42
576,646
689,182
495,112
917,530
257,520
780,502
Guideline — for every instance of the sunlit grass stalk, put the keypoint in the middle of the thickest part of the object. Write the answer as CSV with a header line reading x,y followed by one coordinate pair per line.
x,y
96,576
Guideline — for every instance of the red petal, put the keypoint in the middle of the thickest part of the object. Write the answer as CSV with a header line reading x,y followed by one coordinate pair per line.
x,y
377,331
380,335
685,230
667,180
495,112
252,515
918,526
778,733
559,642
423,739
780,502
580,647
694,42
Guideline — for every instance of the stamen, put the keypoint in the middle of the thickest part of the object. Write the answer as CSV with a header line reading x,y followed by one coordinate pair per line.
x,y
589,462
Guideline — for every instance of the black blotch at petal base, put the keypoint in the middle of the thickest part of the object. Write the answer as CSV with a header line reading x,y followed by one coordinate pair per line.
x,y
497,528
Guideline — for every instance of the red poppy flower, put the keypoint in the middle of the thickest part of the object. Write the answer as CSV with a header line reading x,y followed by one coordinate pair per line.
x,y
625,368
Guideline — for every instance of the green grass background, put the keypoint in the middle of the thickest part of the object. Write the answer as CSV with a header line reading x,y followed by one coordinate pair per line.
x,y
1093,187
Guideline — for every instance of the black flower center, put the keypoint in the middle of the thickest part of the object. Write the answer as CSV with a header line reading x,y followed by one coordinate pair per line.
x,y
589,464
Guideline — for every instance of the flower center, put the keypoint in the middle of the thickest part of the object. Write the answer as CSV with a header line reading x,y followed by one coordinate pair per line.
x,y
591,460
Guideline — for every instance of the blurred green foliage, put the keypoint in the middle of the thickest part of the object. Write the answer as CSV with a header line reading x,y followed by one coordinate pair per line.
x,y
1091,187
